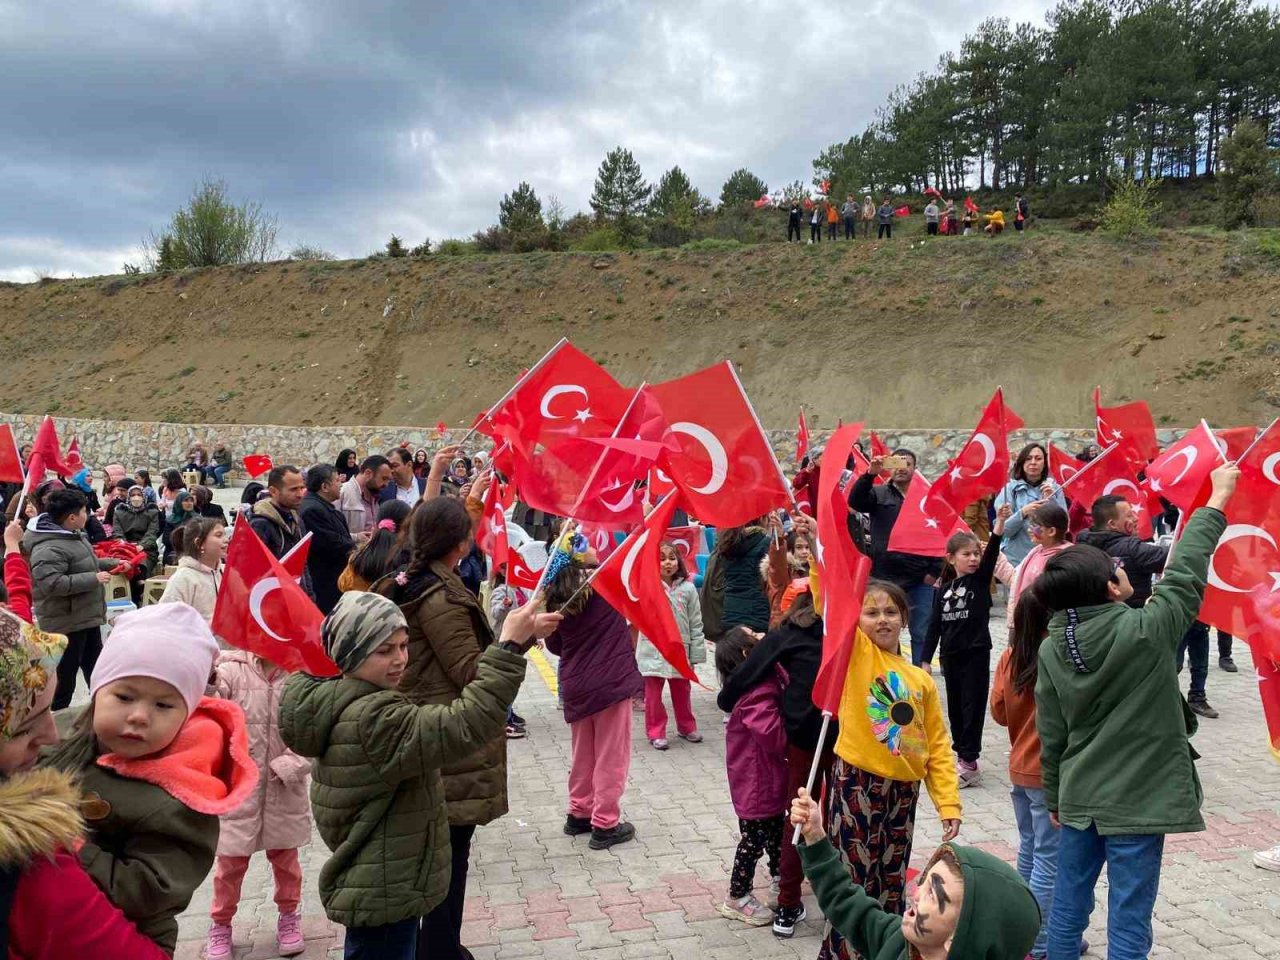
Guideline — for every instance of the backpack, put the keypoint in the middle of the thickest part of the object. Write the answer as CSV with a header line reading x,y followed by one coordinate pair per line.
x,y
711,598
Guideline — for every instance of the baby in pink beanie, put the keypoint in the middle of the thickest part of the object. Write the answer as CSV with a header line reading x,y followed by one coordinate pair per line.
x,y
158,763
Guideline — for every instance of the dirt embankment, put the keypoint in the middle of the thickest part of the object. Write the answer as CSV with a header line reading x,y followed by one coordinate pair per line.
x,y
901,334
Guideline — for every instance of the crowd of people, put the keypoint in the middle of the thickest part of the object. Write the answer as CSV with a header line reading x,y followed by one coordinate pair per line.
x,y
941,217
191,757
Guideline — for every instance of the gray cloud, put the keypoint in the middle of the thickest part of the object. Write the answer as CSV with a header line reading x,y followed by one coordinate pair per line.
x,y
351,121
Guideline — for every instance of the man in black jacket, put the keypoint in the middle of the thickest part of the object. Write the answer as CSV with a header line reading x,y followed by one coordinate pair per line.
x,y
915,574
331,542
1114,523
276,520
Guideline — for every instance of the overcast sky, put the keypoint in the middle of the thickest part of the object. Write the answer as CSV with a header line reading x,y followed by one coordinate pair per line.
x,y
354,120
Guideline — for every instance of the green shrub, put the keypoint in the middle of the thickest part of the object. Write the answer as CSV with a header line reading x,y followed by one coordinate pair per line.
x,y
712,243
1132,209
456,248
599,240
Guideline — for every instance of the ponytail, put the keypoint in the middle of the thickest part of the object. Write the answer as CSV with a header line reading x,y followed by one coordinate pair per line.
x,y
1030,625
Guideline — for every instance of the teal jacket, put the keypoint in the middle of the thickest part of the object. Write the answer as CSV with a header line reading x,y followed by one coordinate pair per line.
x,y
999,918
1114,728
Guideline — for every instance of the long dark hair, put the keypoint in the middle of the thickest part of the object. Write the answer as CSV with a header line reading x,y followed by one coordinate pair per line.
x,y
188,539
1020,464
682,572
561,590
733,542
1052,515
731,650
381,551
1030,625
436,528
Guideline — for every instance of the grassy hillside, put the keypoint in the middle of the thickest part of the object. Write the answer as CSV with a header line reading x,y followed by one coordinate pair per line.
x,y
906,334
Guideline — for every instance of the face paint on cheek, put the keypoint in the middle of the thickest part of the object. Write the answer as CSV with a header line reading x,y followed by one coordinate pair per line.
x,y
921,924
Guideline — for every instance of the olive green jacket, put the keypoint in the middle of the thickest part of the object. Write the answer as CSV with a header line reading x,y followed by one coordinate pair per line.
x,y
376,791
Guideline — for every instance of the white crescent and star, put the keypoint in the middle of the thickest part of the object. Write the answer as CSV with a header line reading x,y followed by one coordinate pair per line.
x,y
562,389
1240,531
256,596
1189,454
1269,468
629,561
929,522
625,501
715,450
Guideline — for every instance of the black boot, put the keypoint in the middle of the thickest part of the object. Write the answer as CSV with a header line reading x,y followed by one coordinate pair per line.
x,y
604,839
1227,664
1200,706
576,826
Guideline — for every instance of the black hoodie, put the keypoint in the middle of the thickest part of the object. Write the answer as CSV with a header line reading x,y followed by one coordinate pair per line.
x,y
1142,560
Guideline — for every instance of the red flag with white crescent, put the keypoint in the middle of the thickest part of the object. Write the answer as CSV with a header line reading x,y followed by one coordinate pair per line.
x,y
919,529
492,534
1183,468
1110,474
631,581
1130,426
262,609
982,466
1062,466
802,437
11,470
520,574
46,454
74,460
690,542
725,469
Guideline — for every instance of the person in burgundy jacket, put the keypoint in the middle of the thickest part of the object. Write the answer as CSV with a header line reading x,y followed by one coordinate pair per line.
x,y
49,907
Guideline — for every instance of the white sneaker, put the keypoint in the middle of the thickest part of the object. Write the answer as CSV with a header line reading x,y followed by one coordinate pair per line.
x,y
1268,859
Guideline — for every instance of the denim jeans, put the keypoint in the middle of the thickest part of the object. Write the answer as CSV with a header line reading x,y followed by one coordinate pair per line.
x,y
218,473
1133,874
1195,646
1037,854
391,941
920,609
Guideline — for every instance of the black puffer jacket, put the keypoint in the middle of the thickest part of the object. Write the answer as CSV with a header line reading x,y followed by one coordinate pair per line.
x,y
882,504
798,650
1142,560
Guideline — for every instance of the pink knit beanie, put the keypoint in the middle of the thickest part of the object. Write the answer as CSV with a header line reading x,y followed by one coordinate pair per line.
x,y
164,641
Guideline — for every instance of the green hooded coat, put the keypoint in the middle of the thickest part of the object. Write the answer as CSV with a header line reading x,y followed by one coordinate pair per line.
x,y
1114,727
376,791
999,918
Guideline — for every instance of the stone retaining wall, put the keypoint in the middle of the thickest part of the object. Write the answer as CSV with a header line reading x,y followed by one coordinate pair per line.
x,y
158,446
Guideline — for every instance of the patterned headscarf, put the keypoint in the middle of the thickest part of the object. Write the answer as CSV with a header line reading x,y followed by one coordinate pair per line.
x,y
359,624
28,658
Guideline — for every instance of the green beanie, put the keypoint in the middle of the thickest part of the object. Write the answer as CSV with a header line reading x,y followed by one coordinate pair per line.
x,y
999,918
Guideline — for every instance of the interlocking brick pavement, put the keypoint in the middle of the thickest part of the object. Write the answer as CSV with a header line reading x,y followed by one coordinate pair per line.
x,y
535,893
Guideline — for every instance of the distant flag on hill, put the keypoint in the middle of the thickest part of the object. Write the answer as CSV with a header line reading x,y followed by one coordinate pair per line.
x,y
970,205
10,459
902,211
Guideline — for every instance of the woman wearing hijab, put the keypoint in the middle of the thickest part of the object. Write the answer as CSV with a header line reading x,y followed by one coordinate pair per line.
x,y
346,465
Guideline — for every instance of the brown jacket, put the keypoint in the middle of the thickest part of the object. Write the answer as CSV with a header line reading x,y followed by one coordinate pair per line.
x,y
448,631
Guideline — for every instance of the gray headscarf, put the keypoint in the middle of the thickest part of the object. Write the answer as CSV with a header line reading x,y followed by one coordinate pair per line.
x,y
358,625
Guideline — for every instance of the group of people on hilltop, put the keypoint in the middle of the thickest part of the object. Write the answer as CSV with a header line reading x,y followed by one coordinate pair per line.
x,y
940,216
406,751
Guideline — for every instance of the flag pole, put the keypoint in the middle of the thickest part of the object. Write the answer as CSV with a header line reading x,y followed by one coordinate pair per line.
x,y
813,768
488,414
586,583
604,453
772,456
1087,467
1261,433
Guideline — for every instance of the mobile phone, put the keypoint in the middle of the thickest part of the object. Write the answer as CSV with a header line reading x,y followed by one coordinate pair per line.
x,y
895,462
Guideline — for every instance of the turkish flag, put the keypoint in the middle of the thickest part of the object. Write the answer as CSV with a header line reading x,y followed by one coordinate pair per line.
x,y
802,437
565,395
970,205
10,458
262,609
982,466
607,494
492,534
1237,440
46,453
842,572
659,485
690,542
441,429
903,211
631,581
75,462
1129,425
600,538
725,469
1109,474
1183,468
920,530
519,573
1247,558
257,464
1062,466
878,447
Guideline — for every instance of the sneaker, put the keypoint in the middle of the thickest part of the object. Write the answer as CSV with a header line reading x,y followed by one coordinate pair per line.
x,y
515,733
576,826
517,720
1227,664
1200,706
1268,859
289,940
218,946
775,884
694,737
785,920
659,744
748,909
604,839
970,775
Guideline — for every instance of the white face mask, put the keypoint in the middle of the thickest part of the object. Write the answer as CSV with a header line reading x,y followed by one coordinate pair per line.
x,y
136,502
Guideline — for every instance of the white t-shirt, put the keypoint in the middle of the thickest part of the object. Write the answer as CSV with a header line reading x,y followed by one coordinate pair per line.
x,y
409,495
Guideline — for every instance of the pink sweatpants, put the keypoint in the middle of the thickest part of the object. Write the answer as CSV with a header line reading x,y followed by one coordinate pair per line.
x,y
229,875
601,760
655,713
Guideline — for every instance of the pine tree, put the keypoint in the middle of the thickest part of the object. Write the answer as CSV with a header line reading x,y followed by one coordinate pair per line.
x,y
743,186
520,210
620,193
1249,174
395,248
674,195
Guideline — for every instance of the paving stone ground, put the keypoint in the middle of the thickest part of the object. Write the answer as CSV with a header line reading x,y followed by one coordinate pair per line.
x,y
535,893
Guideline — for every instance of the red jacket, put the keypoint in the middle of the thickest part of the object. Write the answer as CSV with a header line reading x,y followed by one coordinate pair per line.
x,y
57,911
17,580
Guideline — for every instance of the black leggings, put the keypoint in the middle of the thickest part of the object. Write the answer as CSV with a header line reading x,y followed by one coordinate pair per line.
x,y
793,228
967,675
886,230
440,935
83,647
815,233
758,837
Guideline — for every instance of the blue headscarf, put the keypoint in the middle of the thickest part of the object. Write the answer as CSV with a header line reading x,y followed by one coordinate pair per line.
x,y
81,480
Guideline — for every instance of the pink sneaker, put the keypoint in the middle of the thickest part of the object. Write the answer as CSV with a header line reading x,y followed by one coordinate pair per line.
x,y
289,935
219,945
